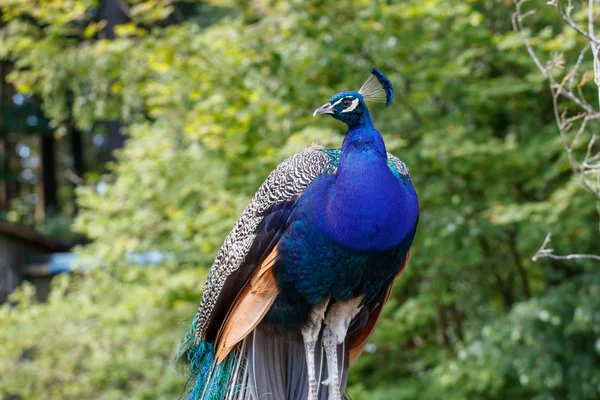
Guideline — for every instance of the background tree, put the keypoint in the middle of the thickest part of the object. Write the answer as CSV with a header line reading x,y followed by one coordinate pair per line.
x,y
572,87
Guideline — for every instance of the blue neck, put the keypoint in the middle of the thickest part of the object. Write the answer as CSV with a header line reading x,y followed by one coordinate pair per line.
x,y
362,211
363,150
363,137
363,120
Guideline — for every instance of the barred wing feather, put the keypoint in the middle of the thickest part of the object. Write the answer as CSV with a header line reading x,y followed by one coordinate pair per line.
x,y
226,275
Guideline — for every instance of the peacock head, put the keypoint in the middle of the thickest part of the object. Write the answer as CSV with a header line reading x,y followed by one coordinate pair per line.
x,y
350,107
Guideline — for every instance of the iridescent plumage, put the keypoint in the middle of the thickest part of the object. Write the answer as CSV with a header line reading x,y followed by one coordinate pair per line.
x,y
298,286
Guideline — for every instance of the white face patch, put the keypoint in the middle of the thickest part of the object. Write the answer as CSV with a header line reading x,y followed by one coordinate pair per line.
x,y
352,106
337,102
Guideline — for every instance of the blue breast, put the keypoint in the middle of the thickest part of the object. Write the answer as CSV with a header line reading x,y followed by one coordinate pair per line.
x,y
367,205
348,233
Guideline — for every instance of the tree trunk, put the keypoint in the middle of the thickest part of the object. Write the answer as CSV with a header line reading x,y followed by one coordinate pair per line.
x,y
78,162
49,174
4,151
114,14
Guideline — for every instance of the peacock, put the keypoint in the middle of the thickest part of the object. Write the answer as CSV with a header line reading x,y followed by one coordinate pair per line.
x,y
295,292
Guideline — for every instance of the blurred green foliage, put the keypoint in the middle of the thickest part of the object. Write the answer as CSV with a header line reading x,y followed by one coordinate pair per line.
x,y
215,94
108,335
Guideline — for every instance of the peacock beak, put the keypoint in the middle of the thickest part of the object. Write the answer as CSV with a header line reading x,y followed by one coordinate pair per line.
x,y
326,108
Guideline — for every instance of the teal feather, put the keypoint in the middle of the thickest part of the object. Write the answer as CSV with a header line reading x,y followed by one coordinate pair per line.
x,y
206,377
209,379
335,154
180,358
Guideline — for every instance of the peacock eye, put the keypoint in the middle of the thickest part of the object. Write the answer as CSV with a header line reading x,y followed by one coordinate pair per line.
x,y
346,102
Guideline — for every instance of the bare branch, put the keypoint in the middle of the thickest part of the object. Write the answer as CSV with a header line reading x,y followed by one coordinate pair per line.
x,y
567,18
563,86
594,45
518,26
544,251
518,18
575,68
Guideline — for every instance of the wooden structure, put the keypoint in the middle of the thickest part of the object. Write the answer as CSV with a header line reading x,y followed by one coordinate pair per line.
x,y
24,254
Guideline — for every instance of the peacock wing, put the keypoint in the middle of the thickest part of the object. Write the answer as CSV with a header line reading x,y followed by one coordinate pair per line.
x,y
255,235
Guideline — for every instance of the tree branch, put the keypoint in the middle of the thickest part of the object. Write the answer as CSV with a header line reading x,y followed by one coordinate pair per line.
x,y
587,170
567,18
544,251
518,18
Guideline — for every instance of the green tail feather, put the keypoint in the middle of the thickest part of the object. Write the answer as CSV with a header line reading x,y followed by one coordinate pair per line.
x,y
208,380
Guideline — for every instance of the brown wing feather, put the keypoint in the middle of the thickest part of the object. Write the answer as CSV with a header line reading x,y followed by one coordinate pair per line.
x,y
361,338
249,308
